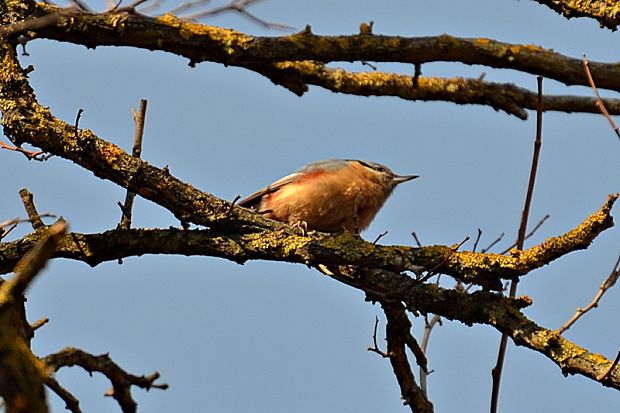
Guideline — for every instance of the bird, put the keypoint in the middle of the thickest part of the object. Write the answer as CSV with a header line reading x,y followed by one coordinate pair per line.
x,y
333,195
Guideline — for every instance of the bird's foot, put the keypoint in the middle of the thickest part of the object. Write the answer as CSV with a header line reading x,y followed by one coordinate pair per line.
x,y
302,226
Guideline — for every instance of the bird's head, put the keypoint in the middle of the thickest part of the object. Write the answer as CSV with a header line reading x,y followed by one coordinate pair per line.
x,y
384,175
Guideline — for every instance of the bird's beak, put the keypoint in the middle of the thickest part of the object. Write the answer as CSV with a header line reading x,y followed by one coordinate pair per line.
x,y
399,179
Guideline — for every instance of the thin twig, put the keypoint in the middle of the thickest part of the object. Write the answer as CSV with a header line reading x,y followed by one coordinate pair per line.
x,y
31,209
491,245
496,373
599,101
430,273
12,223
186,6
375,348
71,402
9,222
232,205
383,234
366,63
138,118
417,240
77,122
35,155
536,227
152,6
39,323
607,284
129,8
80,5
428,328
239,6
603,376
477,240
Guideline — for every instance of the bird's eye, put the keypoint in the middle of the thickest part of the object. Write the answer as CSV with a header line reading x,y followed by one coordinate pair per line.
x,y
374,166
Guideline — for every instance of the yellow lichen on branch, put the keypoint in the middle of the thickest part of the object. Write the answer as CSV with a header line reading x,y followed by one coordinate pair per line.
x,y
302,57
607,13
577,238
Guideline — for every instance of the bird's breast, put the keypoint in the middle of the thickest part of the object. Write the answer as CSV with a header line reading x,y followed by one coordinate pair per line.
x,y
327,203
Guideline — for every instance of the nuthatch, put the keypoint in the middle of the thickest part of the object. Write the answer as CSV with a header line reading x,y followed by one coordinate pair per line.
x,y
328,196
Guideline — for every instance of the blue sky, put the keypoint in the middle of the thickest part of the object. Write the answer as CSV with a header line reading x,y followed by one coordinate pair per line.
x,y
273,337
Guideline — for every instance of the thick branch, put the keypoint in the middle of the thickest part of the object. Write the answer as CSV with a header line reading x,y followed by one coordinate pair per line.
x,y
300,51
24,120
315,249
606,12
500,96
571,358
200,43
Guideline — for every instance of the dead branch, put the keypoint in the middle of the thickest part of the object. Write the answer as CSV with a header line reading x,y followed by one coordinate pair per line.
x,y
71,402
496,372
529,234
120,379
428,328
375,347
607,284
398,335
138,118
36,155
599,102
31,210
237,6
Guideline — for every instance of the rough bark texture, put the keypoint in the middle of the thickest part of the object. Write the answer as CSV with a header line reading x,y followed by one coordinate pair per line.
x,y
298,60
390,275
606,12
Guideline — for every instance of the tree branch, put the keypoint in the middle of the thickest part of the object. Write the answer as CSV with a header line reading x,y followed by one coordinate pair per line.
x,y
328,249
24,120
483,307
138,118
71,403
609,282
302,56
500,96
605,12
397,335
21,373
120,379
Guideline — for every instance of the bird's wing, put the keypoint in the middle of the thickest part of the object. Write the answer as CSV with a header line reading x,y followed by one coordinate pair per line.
x,y
254,199
324,166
